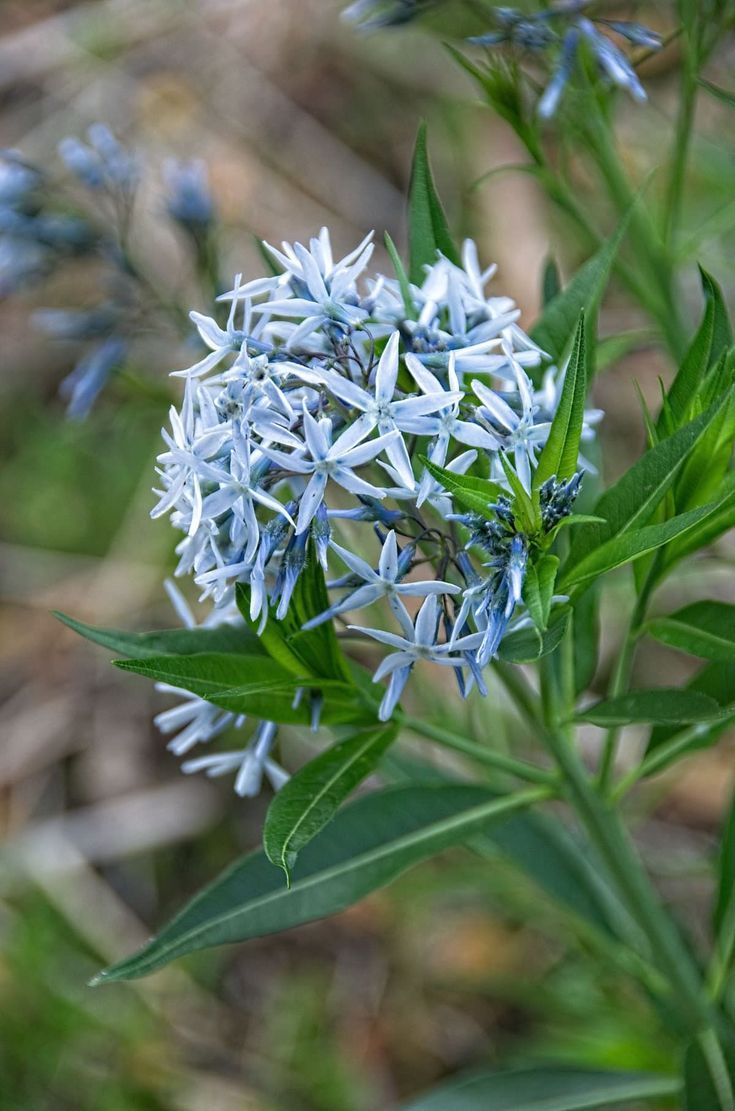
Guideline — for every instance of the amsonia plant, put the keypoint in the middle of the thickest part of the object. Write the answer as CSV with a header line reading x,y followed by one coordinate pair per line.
x,y
377,473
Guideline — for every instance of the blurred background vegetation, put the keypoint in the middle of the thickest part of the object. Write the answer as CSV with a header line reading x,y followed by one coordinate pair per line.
x,y
301,123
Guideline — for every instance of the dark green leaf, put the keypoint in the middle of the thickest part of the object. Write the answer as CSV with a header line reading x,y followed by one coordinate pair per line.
x,y
475,494
705,629
525,511
712,337
428,231
548,1088
175,642
368,844
312,796
538,588
550,281
663,706
709,1069
586,639
254,685
561,450
555,327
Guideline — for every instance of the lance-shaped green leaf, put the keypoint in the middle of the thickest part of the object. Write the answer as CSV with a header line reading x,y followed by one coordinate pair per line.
x,y
428,231
254,685
631,501
553,329
475,494
713,336
526,511
561,450
368,844
547,1088
704,629
538,588
663,706
312,796
630,546
710,529
175,642
401,277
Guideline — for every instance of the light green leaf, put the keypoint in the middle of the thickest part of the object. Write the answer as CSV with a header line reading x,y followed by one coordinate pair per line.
x,y
526,645
538,588
525,511
367,845
630,546
561,450
428,231
475,494
401,277
705,629
554,328
663,706
548,1088
312,796
176,642
631,501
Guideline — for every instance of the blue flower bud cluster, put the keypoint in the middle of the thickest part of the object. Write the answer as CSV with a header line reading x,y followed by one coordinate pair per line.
x,y
308,419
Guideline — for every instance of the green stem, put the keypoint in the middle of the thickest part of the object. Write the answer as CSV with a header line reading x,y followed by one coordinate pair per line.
x,y
684,124
482,755
521,692
722,957
622,673
611,840
718,1069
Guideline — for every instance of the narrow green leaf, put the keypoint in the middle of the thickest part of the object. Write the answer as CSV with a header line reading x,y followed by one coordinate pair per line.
x,y
368,844
710,529
561,450
719,93
550,281
475,494
631,501
402,278
712,337
586,639
663,706
547,1088
538,588
311,797
428,231
525,511
554,328
175,642
630,546
704,629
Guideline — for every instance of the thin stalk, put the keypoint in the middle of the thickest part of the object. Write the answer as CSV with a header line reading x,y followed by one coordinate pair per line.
x,y
682,137
622,673
519,768
722,957
520,691
718,1069
612,842
658,759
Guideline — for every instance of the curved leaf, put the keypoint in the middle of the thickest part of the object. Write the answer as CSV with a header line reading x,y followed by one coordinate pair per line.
x,y
312,796
561,450
550,1088
367,845
664,706
704,629
175,642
